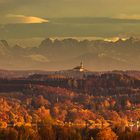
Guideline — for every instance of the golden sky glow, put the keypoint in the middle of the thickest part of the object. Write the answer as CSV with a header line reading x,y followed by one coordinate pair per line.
x,y
70,8
24,19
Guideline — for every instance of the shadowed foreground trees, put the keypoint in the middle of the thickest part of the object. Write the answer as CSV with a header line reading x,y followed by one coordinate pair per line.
x,y
55,132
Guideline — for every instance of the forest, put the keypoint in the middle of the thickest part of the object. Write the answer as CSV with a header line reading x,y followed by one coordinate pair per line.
x,y
103,106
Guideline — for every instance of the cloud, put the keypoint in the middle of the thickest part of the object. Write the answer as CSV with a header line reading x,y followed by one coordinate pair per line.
x,y
130,16
38,58
11,18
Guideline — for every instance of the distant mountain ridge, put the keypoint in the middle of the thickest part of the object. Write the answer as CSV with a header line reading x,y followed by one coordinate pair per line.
x,y
91,20
56,54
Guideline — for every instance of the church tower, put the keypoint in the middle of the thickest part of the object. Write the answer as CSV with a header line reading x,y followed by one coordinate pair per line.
x,y
80,68
81,65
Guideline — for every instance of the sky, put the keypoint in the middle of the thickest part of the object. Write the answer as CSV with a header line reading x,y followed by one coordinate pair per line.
x,y
37,11
38,19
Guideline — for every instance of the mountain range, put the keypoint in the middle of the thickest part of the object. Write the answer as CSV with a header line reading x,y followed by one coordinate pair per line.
x,y
56,54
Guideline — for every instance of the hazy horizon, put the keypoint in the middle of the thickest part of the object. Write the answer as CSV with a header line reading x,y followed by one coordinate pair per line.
x,y
66,53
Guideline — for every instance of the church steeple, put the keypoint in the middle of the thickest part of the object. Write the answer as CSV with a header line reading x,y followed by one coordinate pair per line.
x,y
81,64
80,67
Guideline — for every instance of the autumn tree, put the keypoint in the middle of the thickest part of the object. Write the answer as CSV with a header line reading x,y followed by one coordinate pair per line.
x,y
106,134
